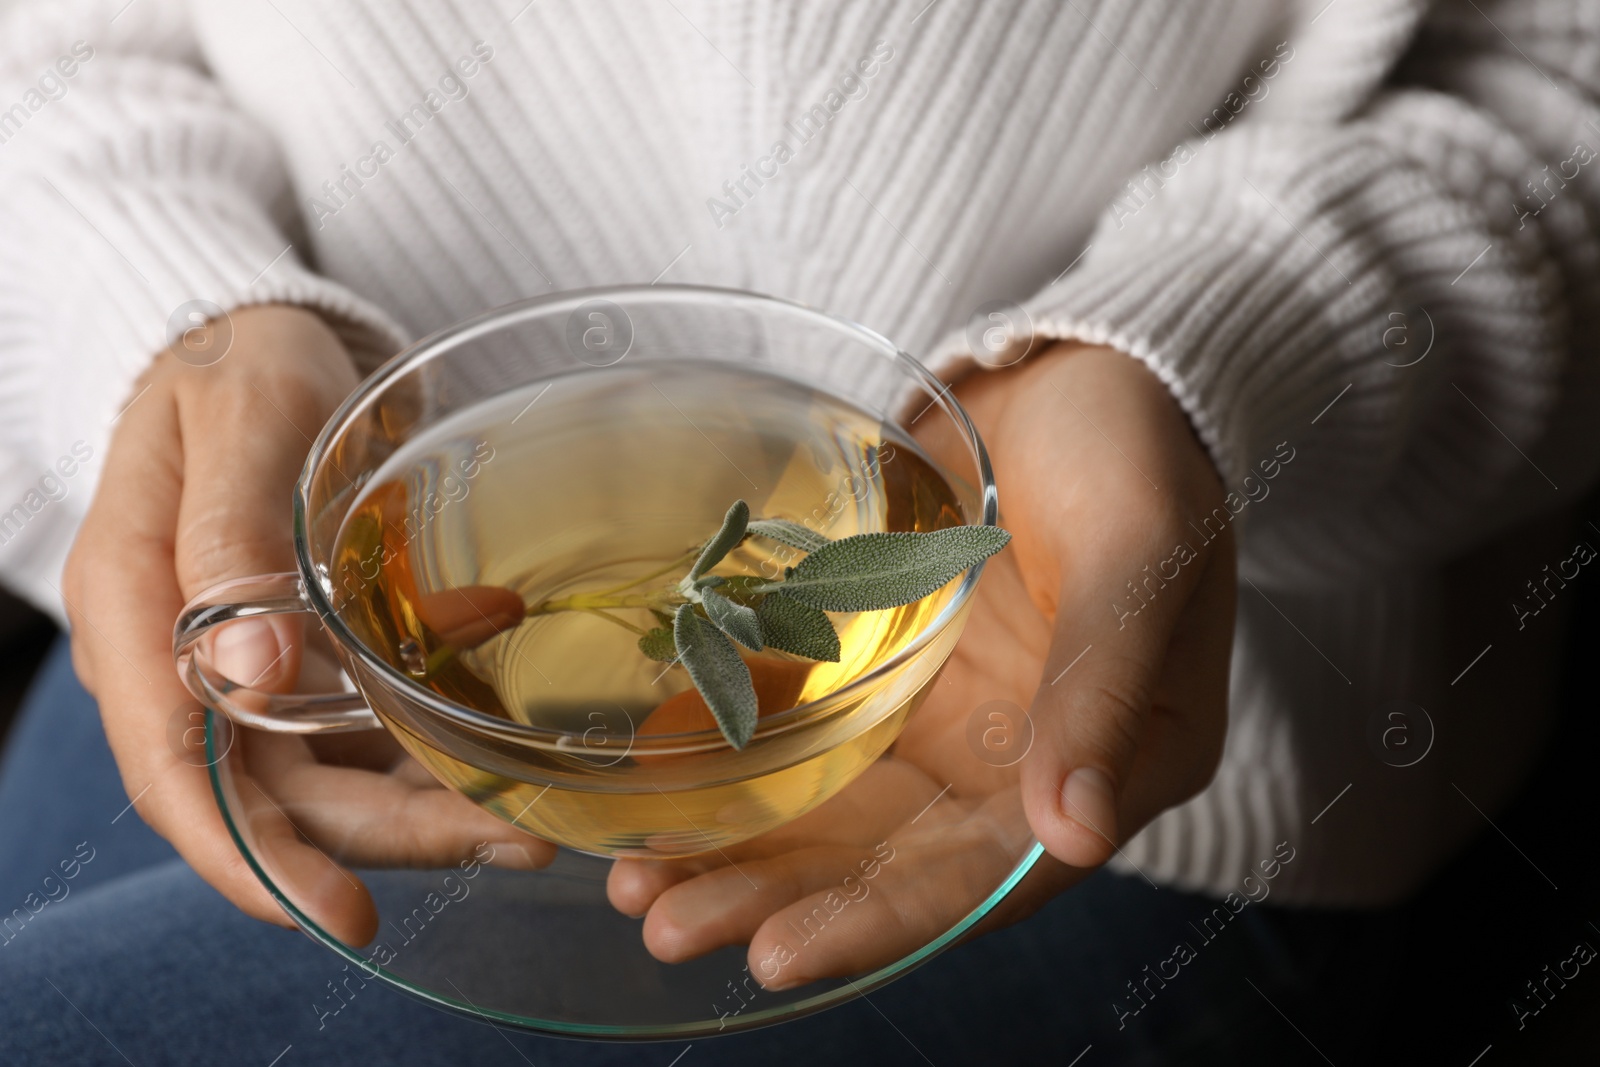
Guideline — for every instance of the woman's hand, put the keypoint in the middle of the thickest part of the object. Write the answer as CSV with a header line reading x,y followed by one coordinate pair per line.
x,y
1110,617
196,489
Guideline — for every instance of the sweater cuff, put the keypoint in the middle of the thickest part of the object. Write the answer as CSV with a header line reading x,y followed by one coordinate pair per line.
x,y
1222,312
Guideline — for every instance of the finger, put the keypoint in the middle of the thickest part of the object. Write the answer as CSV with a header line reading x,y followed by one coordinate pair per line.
x,y
1184,734
633,885
334,898
886,795
919,888
366,818
371,750
122,606
727,906
1091,709
467,616
248,442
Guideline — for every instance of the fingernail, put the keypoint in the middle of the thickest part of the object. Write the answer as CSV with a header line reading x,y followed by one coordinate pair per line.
x,y
1090,801
246,650
513,856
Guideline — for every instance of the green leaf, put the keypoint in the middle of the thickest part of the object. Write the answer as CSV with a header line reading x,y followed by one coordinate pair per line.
x,y
718,672
732,532
791,626
746,589
658,645
788,533
735,620
873,571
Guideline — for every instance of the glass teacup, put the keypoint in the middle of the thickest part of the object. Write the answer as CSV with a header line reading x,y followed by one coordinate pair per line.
x,y
485,417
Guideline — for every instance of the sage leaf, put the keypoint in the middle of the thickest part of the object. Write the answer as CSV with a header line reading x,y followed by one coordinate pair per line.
x,y
746,589
735,620
873,571
718,672
732,532
791,626
658,645
788,533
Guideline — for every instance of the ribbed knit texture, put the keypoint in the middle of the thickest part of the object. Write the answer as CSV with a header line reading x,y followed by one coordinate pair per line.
x,y
1243,196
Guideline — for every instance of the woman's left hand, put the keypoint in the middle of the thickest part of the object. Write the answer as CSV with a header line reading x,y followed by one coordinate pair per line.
x,y
1109,617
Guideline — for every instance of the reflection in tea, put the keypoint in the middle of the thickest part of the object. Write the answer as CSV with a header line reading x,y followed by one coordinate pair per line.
x,y
613,475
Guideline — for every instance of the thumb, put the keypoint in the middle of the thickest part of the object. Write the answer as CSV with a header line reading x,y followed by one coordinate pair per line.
x,y
235,522
1091,710
247,422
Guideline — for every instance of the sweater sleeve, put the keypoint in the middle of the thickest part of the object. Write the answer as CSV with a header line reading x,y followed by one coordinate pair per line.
x,y
1402,298
131,194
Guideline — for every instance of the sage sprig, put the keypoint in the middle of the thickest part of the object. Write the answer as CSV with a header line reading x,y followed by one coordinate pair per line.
x,y
864,572
702,618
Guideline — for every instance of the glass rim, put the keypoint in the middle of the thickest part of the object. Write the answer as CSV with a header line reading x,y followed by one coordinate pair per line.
x,y
450,337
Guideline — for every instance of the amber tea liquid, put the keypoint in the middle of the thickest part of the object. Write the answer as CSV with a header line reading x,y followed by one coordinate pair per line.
x,y
588,481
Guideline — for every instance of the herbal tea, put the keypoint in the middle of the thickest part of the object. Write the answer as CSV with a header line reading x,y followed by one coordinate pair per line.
x,y
534,557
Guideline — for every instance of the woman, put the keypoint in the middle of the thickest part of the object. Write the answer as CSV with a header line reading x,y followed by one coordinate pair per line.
x,y
1313,278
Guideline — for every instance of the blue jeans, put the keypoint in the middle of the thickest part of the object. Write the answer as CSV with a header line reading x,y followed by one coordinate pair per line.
x,y
136,960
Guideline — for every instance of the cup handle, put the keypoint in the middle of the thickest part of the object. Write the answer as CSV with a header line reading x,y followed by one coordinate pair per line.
x,y
295,713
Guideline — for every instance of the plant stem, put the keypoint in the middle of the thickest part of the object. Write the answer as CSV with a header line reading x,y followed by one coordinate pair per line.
x,y
591,601
603,614
437,660
687,557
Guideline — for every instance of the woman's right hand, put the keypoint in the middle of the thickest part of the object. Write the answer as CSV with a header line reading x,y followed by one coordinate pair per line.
x,y
196,490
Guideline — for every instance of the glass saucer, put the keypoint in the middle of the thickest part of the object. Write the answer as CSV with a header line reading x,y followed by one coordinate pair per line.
x,y
544,950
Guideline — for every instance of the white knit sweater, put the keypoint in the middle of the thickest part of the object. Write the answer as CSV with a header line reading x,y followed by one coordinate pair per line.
x,y
1277,205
